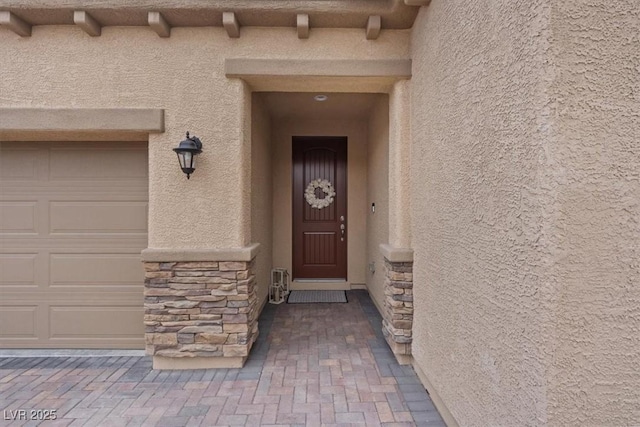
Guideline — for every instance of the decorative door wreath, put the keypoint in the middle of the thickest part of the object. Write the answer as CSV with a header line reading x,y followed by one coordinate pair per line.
x,y
327,189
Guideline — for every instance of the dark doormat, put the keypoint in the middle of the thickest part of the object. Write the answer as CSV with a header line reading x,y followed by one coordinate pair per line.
x,y
308,297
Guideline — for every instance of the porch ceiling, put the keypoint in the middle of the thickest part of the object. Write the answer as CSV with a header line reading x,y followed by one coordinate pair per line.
x,y
297,105
395,14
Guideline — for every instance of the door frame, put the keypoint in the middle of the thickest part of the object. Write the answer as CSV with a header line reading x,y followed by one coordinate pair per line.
x,y
341,199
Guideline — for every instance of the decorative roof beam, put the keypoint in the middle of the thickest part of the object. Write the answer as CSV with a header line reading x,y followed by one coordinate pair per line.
x,y
85,21
417,2
159,24
303,25
374,24
231,24
207,13
15,24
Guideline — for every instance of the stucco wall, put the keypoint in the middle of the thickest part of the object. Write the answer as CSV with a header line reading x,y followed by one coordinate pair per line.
x,y
400,164
479,135
378,193
595,167
184,75
526,193
261,206
356,133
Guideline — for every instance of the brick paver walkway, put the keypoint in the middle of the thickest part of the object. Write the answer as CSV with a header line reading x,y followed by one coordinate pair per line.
x,y
314,364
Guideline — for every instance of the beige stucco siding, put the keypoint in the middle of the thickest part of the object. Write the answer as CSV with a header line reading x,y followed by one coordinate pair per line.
x,y
184,75
525,210
594,163
378,193
261,206
478,141
399,160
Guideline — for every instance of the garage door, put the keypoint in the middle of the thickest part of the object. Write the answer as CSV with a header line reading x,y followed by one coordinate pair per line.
x,y
73,220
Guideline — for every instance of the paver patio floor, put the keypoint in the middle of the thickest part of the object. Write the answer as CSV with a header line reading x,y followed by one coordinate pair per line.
x,y
313,364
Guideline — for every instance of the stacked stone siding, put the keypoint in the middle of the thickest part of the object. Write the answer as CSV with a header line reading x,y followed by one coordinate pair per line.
x,y
398,306
200,309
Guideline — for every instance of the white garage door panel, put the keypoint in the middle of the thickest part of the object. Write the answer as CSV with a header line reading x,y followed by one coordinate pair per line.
x,y
73,220
17,217
102,323
98,217
95,269
18,322
73,163
18,270
18,164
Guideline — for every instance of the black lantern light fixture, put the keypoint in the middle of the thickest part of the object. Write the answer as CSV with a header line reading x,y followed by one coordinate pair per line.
x,y
187,151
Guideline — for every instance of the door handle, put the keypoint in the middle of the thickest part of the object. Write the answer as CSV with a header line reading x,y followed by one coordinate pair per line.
x,y
342,229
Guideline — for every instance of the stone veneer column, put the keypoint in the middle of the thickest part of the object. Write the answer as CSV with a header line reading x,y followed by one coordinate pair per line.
x,y
397,316
200,314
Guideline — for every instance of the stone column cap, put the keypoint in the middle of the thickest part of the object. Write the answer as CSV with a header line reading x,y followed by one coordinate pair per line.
x,y
246,253
393,254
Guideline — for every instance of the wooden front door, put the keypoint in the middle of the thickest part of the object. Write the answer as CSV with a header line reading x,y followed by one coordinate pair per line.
x,y
320,233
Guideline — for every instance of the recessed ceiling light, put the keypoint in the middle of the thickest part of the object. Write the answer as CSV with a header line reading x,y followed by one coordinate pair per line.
x,y
320,98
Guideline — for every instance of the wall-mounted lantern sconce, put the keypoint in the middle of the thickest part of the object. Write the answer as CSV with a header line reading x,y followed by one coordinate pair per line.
x,y
187,151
